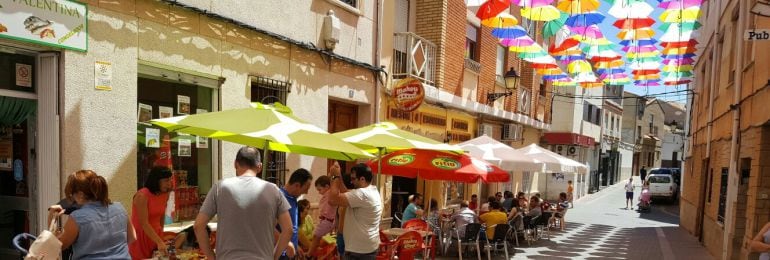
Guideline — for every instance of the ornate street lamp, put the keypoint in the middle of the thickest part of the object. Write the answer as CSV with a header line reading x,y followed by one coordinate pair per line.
x,y
511,83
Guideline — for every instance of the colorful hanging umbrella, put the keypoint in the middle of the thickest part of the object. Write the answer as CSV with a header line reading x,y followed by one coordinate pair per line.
x,y
523,41
435,165
647,48
534,48
677,51
510,33
609,64
636,23
678,82
531,3
633,10
644,65
677,68
535,55
584,19
683,61
541,13
639,42
687,26
579,66
639,72
691,42
679,56
492,8
577,6
563,40
680,15
592,31
552,27
503,19
680,4
610,71
636,34
550,71
545,67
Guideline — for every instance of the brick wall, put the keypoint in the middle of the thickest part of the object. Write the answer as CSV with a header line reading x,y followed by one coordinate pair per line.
x,y
488,60
430,17
454,45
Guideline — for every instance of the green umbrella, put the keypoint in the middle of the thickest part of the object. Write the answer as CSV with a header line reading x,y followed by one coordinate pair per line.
x,y
272,127
552,27
386,137
685,26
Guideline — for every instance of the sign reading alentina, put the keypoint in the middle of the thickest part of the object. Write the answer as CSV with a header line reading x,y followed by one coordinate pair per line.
x,y
58,23
408,94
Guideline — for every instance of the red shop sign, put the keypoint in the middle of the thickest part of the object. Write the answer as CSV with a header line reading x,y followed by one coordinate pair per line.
x,y
408,94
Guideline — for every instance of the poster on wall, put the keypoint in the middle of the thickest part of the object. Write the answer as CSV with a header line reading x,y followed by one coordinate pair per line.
x,y
165,112
185,147
145,112
183,105
6,154
103,75
23,75
201,142
57,23
152,138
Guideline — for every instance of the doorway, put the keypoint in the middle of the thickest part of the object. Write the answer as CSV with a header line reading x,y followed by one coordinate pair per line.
x,y
342,116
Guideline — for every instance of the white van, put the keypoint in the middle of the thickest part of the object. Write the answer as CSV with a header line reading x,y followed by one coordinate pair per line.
x,y
662,186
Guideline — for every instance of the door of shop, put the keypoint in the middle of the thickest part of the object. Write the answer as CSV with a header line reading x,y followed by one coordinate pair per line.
x,y
24,75
342,117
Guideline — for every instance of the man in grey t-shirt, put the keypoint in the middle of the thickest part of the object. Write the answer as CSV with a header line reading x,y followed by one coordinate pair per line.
x,y
236,201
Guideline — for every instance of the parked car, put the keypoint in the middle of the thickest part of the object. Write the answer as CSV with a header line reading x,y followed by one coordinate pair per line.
x,y
663,186
674,172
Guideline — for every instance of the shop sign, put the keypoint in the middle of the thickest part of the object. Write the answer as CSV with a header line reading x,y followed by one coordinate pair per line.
x,y
58,23
103,75
409,94
756,34
401,160
445,163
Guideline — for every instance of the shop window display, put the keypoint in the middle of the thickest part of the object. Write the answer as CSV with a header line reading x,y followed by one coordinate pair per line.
x,y
190,157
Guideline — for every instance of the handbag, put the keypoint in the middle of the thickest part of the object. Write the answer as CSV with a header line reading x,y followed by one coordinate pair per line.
x,y
47,246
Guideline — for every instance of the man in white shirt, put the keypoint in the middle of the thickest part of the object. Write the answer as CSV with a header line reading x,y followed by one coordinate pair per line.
x,y
364,210
630,193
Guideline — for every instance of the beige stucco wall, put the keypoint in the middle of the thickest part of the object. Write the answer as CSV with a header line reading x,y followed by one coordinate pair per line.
x,y
99,127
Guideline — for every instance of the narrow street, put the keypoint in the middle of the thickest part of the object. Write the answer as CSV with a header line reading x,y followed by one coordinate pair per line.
x,y
599,227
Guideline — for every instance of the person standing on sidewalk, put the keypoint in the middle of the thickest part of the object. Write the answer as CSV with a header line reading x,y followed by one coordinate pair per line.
x,y
570,193
642,173
630,193
364,210
299,183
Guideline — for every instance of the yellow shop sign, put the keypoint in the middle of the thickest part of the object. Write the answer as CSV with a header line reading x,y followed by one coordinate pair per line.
x,y
58,23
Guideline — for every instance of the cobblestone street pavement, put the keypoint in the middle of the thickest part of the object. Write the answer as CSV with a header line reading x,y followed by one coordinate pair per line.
x,y
599,227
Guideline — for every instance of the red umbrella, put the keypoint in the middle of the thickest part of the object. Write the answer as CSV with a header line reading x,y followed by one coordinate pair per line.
x,y
437,165
492,8
634,23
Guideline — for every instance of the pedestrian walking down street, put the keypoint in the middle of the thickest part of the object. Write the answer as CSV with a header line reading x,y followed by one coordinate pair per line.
x,y
364,210
299,183
570,193
147,214
643,173
630,193
237,202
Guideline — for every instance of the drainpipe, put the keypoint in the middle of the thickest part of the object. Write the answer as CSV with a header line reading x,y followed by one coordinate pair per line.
x,y
732,180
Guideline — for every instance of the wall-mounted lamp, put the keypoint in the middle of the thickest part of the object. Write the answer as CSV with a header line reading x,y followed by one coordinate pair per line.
x,y
511,83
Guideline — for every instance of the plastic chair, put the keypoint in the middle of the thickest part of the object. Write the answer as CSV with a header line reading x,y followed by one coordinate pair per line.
x,y
515,231
386,245
471,237
408,245
542,225
416,224
558,217
501,235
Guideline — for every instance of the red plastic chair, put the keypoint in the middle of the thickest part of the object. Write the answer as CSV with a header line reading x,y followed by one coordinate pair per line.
x,y
386,247
416,225
408,245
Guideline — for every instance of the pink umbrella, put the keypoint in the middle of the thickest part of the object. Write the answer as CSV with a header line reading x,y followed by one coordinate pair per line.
x,y
521,41
647,48
591,31
613,76
677,4
684,61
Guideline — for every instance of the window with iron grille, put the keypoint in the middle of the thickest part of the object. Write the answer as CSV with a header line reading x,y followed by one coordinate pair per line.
x,y
268,91
722,196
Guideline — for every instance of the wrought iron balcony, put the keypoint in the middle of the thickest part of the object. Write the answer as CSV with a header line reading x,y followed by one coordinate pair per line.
x,y
413,56
472,65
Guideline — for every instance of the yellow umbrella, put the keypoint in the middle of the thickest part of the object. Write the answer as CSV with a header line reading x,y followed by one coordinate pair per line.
x,y
647,77
577,6
564,83
579,66
634,55
643,33
609,64
541,13
526,49
551,71
501,20
674,68
680,15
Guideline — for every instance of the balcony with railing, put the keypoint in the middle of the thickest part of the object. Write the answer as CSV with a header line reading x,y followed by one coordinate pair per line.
x,y
414,56
472,65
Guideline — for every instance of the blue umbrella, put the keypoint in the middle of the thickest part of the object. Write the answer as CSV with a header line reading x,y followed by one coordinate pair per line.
x,y
510,33
584,20
682,56
640,42
555,77
610,71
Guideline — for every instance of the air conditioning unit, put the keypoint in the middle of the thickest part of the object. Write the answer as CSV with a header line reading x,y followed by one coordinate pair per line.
x,y
561,149
486,129
572,150
512,132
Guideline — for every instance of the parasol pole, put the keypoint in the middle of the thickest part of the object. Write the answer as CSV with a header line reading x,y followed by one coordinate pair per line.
x,y
379,167
264,159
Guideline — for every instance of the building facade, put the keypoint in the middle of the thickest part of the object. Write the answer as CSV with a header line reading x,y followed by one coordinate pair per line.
x,y
610,157
643,120
459,62
724,195
156,59
672,149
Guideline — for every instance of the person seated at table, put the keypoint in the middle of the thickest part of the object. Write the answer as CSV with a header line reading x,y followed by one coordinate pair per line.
x,y
463,217
455,201
474,204
508,201
561,207
523,202
485,207
534,210
186,239
413,210
433,214
494,217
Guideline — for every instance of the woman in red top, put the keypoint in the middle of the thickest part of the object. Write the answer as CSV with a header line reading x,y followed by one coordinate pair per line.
x,y
147,214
